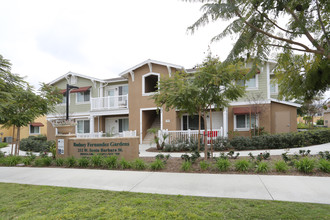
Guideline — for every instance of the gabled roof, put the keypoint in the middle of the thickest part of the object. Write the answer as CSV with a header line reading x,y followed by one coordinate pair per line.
x,y
75,74
149,61
286,103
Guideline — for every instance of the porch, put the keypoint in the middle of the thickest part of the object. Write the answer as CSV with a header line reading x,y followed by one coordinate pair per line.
x,y
109,103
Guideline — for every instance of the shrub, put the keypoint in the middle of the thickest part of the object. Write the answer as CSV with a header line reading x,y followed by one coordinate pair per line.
x,y
324,165
186,166
2,145
70,161
231,153
281,166
124,164
242,165
262,167
194,156
27,161
157,165
83,162
222,164
281,141
35,143
324,155
2,154
139,164
59,162
12,160
47,161
305,165
111,162
204,165
96,160
320,122
38,162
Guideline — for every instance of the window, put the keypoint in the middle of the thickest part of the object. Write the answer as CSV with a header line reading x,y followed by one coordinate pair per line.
x,y
34,129
83,126
83,96
273,86
64,98
189,122
252,83
242,122
123,90
123,124
149,83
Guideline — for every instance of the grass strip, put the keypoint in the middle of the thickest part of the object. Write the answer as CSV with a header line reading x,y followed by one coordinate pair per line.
x,y
45,202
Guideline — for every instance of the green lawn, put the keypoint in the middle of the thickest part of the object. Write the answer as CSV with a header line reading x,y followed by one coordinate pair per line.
x,y
45,202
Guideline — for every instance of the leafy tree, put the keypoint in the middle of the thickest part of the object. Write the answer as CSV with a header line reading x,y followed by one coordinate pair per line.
x,y
213,84
263,26
20,105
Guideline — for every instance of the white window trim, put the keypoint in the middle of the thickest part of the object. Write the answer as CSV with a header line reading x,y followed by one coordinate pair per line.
x,y
88,102
84,125
188,120
33,133
246,126
143,83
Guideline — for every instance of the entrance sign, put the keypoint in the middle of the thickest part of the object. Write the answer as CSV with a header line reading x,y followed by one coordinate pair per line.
x,y
60,144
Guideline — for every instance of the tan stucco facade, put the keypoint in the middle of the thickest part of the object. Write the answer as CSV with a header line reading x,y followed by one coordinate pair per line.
x,y
25,131
326,118
274,117
141,104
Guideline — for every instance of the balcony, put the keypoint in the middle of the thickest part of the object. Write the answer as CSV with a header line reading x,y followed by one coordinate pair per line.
x,y
109,103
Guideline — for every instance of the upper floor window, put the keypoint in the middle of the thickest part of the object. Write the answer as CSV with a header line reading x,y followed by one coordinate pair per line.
x,y
150,83
273,86
64,99
83,96
252,83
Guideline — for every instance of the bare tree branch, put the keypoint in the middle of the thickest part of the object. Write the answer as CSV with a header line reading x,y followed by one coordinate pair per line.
x,y
321,23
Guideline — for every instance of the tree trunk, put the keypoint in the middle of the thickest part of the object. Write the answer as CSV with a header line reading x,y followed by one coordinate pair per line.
x,y
12,141
205,135
199,131
18,138
211,133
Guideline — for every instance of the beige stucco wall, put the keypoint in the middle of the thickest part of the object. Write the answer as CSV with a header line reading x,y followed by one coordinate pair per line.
x,y
326,118
137,101
277,107
264,120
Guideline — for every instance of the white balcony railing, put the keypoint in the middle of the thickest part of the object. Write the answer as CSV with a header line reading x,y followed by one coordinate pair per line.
x,y
101,134
187,135
109,102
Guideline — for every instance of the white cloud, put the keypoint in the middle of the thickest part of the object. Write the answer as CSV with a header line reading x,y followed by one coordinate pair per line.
x,y
46,39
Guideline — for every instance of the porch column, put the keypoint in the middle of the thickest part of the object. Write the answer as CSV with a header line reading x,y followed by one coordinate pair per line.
x,y
225,122
91,124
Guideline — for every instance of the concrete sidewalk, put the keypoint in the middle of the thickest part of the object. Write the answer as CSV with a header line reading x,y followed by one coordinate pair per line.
x,y
266,187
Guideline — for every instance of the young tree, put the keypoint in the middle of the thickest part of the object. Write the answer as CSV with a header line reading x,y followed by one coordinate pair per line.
x,y
266,25
19,104
213,84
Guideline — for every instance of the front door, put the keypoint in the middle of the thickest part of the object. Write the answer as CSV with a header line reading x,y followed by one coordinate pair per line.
x,y
111,126
282,122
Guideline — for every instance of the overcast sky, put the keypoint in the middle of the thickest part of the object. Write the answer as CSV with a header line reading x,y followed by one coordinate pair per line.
x,y
46,39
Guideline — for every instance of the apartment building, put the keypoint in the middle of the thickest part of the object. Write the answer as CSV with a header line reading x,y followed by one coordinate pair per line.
x,y
113,106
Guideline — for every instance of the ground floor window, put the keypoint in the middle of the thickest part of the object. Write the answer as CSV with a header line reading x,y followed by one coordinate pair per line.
x,y
34,129
243,121
123,124
191,122
83,126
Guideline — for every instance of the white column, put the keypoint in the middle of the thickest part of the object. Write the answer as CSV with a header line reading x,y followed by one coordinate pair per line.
x,y
91,124
225,122
268,80
101,90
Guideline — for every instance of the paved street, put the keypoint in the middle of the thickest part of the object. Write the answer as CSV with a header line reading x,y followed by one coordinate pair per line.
x,y
266,187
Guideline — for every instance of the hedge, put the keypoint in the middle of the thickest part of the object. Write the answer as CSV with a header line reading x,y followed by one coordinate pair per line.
x,y
282,141
35,143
